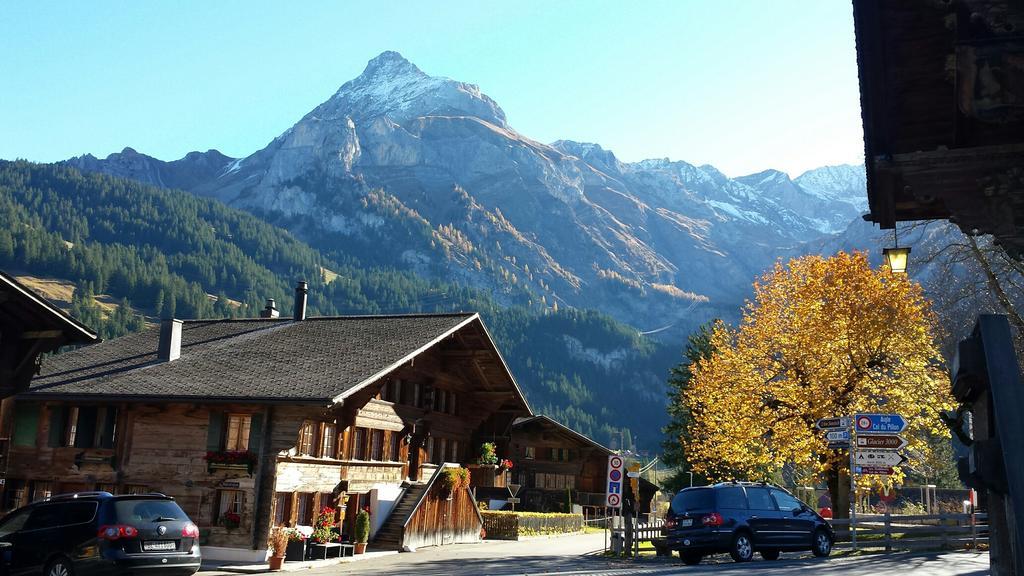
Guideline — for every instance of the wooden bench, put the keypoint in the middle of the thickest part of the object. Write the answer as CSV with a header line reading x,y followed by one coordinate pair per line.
x,y
330,550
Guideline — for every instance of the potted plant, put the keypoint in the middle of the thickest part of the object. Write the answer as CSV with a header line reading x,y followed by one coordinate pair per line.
x,y
296,549
278,547
231,460
323,531
488,454
362,531
453,479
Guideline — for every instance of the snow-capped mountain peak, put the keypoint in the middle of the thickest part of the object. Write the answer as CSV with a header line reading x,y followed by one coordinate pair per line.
x,y
394,87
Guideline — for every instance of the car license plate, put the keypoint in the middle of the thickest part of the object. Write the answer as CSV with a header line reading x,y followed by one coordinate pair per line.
x,y
159,545
686,522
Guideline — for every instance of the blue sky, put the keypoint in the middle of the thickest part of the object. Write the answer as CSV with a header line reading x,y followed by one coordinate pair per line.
x,y
742,85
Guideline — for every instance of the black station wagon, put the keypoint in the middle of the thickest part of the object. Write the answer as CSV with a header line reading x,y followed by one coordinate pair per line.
x,y
98,533
741,518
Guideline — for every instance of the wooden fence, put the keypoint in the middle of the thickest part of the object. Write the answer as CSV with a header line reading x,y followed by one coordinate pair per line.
x,y
932,531
890,532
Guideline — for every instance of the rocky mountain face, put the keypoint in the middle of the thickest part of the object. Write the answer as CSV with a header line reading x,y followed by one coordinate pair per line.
x,y
425,173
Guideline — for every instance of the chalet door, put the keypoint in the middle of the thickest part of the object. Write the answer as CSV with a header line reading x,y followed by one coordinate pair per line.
x,y
415,458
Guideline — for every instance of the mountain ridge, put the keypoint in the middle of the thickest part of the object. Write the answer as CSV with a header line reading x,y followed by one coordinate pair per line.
x,y
424,173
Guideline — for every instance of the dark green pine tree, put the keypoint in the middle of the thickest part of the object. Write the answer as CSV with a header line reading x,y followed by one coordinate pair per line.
x,y
698,347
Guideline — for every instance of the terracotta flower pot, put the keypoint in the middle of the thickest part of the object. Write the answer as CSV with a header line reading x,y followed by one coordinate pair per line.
x,y
360,547
276,562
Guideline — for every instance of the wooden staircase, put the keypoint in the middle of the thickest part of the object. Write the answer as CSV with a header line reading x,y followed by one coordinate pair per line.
x,y
390,533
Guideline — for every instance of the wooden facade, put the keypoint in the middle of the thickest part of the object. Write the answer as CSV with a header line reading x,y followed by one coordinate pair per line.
x,y
296,457
442,518
553,463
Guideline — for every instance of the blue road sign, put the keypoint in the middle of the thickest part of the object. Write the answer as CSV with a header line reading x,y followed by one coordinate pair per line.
x,y
838,436
886,423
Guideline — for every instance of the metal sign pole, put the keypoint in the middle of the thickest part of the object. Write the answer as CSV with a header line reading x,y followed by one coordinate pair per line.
x,y
853,485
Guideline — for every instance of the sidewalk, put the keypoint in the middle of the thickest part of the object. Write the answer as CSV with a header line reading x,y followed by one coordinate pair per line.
x,y
215,568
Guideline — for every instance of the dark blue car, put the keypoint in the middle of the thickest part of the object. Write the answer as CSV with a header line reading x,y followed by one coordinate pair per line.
x,y
742,518
98,533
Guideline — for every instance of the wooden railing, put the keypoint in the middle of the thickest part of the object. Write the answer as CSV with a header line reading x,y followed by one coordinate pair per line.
x,y
932,531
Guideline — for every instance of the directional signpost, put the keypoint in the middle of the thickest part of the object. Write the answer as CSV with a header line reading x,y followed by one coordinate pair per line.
x,y
837,423
873,442
877,470
838,436
880,423
881,441
878,458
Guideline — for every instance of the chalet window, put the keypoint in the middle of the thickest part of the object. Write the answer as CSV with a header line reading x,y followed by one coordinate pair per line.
x,y
392,391
442,446
441,401
417,394
230,501
237,436
82,426
234,432
26,425
451,403
41,490
136,489
282,508
304,509
112,488
560,454
359,444
306,438
531,452
395,448
328,434
377,445
554,481
16,494
453,456
430,449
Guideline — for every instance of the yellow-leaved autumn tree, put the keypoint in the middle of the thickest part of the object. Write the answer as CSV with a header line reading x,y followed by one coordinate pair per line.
x,y
823,337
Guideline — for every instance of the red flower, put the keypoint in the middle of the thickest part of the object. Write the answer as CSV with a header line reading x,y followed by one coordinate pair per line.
x,y
506,463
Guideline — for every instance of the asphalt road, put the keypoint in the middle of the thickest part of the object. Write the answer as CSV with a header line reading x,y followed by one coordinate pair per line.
x,y
577,555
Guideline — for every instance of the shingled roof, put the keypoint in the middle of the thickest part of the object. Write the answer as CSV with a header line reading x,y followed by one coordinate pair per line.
x,y
316,360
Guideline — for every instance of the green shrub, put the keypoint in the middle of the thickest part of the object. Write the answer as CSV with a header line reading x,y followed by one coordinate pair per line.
x,y
488,453
363,527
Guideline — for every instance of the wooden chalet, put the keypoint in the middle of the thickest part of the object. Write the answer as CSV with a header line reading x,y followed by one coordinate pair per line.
x,y
269,420
554,464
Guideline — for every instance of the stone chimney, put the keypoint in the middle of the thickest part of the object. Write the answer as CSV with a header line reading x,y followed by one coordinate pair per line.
x,y
170,340
300,301
270,311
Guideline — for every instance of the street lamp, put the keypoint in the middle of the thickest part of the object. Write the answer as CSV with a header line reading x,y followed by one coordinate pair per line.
x,y
896,257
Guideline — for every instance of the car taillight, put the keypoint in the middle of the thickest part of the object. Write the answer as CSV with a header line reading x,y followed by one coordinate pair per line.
x,y
713,519
115,531
190,531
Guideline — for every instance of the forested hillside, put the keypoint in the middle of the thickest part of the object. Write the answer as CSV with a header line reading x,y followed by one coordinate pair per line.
x,y
165,253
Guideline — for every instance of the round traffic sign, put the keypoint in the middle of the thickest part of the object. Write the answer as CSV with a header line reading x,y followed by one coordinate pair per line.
x,y
863,423
615,475
613,499
616,462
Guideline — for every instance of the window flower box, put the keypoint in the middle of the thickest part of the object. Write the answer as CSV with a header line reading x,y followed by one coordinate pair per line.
x,y
231,460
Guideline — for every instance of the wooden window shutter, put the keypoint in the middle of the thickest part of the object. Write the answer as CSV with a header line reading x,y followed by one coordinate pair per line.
x,y
108,434
26,425
85,431
215,432
255,433
58,421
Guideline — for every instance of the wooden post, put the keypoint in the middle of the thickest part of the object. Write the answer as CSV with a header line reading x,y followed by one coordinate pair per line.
x,y
888,531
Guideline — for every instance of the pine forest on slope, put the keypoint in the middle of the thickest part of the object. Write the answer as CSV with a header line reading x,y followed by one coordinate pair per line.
x,y
169,253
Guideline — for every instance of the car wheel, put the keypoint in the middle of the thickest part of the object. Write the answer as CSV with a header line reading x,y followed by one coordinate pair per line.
x,y
59,567
822,545
770,554
691,558
742,548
